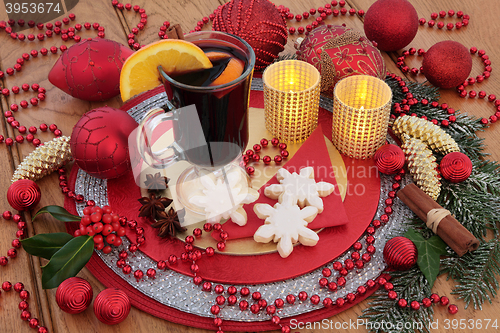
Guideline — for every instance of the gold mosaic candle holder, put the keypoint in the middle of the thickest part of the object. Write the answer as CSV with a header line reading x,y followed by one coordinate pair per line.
x,y
361,109
291,99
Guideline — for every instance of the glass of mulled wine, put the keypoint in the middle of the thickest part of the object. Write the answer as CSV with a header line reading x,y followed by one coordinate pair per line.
x,y
208,112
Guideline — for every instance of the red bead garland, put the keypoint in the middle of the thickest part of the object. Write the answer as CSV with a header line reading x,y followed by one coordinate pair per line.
x,y
253,155
450,26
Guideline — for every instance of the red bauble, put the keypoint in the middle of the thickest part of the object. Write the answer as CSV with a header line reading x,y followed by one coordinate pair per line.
x,y
99,142
90,69
400,253
74,295
392,24
456,167
111,306
389,159
23,194
338,52
259,23
447,64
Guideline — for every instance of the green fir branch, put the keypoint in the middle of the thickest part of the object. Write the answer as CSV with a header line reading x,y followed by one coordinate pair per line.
x,y
477,273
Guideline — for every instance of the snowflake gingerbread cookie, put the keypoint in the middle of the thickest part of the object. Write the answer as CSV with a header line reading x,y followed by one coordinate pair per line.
x,y
302,187
286,224
224,198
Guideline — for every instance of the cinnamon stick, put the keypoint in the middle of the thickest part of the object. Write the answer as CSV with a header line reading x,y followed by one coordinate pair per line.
x,y
450,230
175,32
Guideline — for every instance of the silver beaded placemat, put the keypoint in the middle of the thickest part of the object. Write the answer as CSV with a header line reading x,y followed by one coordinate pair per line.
x,y
178,291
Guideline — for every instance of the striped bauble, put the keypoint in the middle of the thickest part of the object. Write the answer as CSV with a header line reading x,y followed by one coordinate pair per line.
x,y
400,253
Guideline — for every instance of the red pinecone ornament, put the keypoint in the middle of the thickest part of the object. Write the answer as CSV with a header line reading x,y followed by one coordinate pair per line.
x,y
259,23
90,69
447,64
99,142
456,167
338,52
400,253
389,159
74,295
23,194
111,306
392,24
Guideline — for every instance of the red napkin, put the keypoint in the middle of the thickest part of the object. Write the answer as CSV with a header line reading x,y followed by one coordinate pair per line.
x,y
312,153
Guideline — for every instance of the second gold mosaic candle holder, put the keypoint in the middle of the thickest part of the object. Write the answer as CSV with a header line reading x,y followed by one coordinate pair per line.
x,y
291,99
361,109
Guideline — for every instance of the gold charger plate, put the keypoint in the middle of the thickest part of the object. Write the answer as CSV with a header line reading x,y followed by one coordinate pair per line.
x,y
244,246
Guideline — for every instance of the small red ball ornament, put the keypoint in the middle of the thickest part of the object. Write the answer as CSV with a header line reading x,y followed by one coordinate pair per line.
x,y
400,253
99,142
456,167
23,194
259,23
447,64
338,52
389,159
111,306
90,69
74,295
392,24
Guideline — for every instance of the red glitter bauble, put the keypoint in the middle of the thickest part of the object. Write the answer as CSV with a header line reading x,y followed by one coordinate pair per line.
x,y
23,194
400,253
259,23
74,295
99,142
90,69
389,159
447,64
338,52
456,167
392,24
111,306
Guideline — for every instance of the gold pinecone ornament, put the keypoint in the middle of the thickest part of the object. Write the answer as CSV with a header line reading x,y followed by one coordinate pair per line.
x,y
44,160
434,136
422,165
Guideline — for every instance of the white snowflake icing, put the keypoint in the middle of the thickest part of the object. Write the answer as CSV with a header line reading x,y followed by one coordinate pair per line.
x,y
224,198
302,187
286,224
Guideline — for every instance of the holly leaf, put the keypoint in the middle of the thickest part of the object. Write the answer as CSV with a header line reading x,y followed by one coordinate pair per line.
x,y
59,213
68,261
46,245
429,251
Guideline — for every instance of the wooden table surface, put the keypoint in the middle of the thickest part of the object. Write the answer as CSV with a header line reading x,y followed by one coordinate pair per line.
x,y
65,111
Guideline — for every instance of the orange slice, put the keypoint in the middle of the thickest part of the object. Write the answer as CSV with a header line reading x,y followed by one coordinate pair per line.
x,y
232,71
215,55
139,72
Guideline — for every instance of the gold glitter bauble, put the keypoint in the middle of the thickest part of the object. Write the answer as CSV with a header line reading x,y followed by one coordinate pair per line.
x,y
44,159
434,136
422,165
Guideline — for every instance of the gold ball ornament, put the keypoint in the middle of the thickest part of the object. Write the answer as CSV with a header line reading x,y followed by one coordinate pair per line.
x,y
44,160
432,135
422,165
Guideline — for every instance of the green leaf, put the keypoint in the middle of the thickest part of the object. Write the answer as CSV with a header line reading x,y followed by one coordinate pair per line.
x,y
59,213
429,251
45,245
68,261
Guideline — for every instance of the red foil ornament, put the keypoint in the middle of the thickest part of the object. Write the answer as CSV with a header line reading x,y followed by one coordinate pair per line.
x,y
99,142
90,69
74,295
392,24
338,52
400,253
389,159
23,194
259,23
456,167
111,306
447,64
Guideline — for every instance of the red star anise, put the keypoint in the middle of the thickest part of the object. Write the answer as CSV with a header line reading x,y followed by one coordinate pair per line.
x,y
152,206
168,223
156,182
